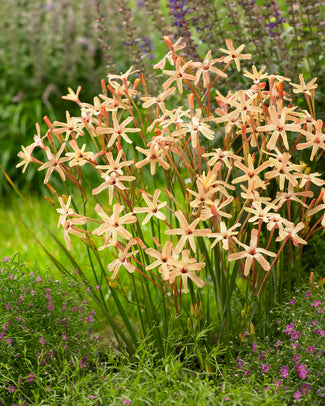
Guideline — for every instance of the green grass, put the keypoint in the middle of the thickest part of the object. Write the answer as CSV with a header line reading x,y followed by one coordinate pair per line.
x,y
16,238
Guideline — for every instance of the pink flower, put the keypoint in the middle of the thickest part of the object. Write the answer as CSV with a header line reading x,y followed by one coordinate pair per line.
x,y
297,395
305,388
289,328
284,372
295,335
265,368
42,340
311,349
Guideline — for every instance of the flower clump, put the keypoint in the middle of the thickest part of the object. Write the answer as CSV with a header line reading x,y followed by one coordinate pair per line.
x,y
219,178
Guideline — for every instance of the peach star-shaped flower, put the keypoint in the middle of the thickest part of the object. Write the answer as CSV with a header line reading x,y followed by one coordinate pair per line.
x,y
187,231
186,268
251,253
234,54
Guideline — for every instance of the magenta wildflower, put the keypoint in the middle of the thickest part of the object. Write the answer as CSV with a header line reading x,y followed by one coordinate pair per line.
x,y
12,389
311,349
42,340
277,344
292,302
30,377
296,358
6,259
254,346
295,346
297,395
305,388
302,370
307,294
11,276
126,401
289,328
239,363
316,303
284,372
265,368
295,335
39,279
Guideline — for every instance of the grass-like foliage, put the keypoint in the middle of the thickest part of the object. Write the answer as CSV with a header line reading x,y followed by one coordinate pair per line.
x,y
194,204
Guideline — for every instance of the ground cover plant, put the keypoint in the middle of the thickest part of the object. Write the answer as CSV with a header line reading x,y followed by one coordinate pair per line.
x,y
221,238
44,328
59,359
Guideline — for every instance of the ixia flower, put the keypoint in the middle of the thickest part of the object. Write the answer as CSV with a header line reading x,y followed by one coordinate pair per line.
x,y
234,54
54,163
187,232
153,208
118,130
123,259
185,268
252,252
112,226
207,66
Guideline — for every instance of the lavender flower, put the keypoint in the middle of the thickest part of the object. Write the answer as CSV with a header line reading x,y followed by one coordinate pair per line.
x,y
179,10
147,48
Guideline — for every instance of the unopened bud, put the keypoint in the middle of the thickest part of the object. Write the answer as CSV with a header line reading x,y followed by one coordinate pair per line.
x,y
311,278
103,85
141,243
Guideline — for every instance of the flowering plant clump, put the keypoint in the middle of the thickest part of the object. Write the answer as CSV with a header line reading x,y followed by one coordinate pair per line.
x,y
43,326
292,361
190,191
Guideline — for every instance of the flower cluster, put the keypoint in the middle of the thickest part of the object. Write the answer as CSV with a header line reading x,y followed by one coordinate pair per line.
x,y
229,189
